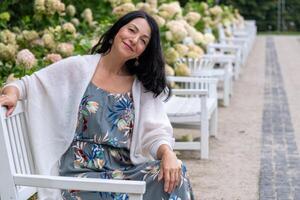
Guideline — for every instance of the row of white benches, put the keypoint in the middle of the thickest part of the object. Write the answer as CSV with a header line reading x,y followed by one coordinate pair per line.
x,y
195,105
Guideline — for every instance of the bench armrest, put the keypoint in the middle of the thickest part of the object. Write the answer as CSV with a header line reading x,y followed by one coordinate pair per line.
x,y
199,92
75,183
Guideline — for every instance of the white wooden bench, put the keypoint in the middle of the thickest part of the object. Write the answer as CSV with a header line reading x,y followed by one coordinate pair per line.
x,y
243,43
228,50
18,180
205,67
194,106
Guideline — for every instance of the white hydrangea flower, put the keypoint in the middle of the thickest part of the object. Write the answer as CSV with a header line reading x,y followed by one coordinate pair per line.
x,y
207,20
75,21
115,3
192,18
87,15
171,55
65,49
204,5
144,6
198,37
26,59
53,57
179,33
30,35
169,70
181,69
226,22
209,38
53,6
147,8
216,10
159,20
123,9
181,49
39,6
193,54
178,30
191,30
169,35
169,10
71,10
7,37
55,30
7,52
37,42
69,28
152,3
195,48
175,23
48,40
164,14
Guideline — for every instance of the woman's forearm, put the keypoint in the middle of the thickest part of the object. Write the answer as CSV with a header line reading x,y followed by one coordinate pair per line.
x,y
163,149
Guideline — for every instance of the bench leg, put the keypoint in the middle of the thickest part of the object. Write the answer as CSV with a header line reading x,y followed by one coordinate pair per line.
x,y
204,151
213,123
227,85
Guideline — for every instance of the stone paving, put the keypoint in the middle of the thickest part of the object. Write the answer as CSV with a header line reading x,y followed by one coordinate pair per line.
x,y
280,160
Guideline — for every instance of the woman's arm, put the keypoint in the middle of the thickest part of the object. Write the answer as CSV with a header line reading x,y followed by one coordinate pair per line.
x,y
170,168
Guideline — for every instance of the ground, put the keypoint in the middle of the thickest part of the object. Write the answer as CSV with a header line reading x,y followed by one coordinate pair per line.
x,y
255,154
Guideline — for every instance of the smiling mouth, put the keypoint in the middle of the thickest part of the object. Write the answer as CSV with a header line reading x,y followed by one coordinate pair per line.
x,y
128,46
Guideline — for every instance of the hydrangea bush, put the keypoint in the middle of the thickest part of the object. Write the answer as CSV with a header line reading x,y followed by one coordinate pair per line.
x,y
56,30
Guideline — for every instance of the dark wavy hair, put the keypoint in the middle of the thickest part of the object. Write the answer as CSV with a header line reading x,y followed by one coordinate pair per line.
x,y
151,68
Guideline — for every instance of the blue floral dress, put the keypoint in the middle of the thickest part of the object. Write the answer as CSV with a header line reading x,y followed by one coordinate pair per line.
x,y
100,149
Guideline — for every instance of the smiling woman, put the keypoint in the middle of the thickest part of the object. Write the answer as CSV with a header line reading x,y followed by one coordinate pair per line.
x,y
105,116
146,61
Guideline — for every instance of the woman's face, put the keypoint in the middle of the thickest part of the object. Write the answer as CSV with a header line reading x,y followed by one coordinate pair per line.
x,y
132,39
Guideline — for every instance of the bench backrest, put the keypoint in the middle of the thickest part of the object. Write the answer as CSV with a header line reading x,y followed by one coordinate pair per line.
x,y
197,64
14,153
188,82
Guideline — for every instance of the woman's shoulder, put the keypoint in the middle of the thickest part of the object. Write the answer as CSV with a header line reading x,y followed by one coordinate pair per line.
x,y
87,58
90,57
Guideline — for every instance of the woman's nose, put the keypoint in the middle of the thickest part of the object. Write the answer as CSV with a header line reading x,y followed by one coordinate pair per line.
x,y
134,39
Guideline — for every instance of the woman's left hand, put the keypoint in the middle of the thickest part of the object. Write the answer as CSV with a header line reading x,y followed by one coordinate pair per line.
x,y
170,170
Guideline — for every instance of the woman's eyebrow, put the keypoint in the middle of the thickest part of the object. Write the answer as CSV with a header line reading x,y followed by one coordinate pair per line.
x,y
139,30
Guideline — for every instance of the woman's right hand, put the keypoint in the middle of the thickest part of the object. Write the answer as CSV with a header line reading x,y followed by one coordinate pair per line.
x,y
10,101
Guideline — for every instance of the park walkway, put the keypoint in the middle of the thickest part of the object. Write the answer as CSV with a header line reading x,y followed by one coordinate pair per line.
x,y
256,152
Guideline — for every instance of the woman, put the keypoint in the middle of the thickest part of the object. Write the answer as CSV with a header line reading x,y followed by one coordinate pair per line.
x,y
119,130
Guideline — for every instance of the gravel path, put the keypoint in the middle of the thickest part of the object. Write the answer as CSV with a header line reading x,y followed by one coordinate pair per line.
x,y
256,153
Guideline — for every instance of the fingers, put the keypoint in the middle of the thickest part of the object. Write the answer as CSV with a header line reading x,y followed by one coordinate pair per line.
x,y
171,179
170,171
10,111
5,101
178,177
161,174
167,180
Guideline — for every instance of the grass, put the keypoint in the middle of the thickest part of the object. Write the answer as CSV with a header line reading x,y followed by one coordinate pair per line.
x,y
279,33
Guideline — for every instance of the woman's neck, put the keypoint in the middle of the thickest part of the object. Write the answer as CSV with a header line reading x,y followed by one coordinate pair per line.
x,y
112,65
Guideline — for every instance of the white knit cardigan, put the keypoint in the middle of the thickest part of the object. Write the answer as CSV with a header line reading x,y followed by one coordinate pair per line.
x,y
53,95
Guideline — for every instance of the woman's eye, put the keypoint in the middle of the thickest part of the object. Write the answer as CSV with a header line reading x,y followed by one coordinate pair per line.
x,y
131,30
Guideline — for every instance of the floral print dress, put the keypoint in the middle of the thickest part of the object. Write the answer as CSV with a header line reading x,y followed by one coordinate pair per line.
x,y
100,149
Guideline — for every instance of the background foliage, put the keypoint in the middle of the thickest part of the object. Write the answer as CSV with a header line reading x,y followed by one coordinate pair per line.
x,y
266,13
